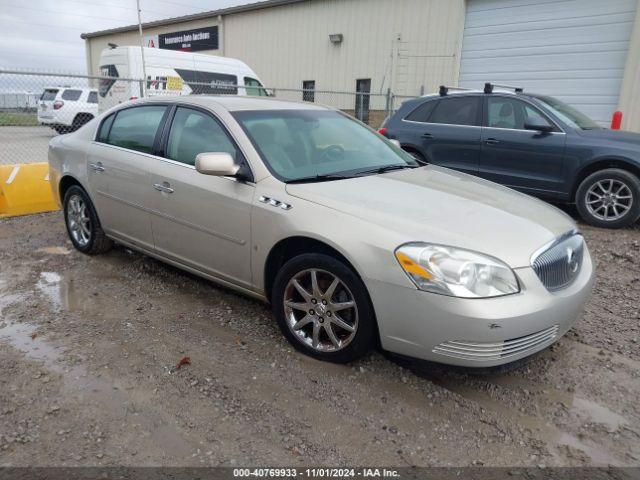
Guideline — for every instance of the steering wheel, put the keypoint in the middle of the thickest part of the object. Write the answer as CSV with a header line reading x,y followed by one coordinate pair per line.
x,y
332,153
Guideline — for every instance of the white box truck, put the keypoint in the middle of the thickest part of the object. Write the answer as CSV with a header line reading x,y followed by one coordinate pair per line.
x,y
172,73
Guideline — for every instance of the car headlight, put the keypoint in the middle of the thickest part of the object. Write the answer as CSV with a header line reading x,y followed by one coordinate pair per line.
x,y
456,272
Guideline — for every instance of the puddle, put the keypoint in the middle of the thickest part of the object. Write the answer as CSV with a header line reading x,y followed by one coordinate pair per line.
x,y
62,292
18,335
54,250
599,414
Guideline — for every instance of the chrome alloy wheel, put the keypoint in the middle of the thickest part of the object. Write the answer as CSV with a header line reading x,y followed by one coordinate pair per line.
x,y
609,199
78,220
320,310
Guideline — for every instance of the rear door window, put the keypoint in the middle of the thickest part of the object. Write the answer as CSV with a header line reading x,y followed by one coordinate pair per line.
x,y
71,95
457,111
423,112
136,128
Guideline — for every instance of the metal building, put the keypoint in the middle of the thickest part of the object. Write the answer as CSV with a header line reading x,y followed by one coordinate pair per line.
x,y
586,52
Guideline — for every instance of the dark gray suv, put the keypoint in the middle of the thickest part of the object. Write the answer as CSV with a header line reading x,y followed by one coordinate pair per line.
x,y
532,143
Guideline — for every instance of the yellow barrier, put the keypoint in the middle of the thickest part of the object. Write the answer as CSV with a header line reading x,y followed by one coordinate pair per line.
x,y
25,189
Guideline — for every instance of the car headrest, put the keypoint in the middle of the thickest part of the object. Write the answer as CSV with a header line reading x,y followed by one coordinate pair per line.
x,y
506,110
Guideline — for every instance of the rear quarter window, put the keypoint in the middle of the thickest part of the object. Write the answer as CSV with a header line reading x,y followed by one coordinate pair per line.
x,y
103,133
93,97
71,95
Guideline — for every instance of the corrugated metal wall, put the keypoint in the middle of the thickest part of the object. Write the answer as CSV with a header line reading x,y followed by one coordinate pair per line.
x,y
575,50
400,44
407,45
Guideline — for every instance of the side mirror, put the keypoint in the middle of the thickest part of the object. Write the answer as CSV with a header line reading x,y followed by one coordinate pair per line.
x,y
539,127
220,164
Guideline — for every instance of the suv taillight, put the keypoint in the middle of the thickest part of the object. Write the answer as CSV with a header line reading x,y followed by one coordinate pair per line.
x,y
58,104
383,131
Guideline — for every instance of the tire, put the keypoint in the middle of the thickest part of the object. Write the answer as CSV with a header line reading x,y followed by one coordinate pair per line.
x,y
595,202
79,121
329,313
83,225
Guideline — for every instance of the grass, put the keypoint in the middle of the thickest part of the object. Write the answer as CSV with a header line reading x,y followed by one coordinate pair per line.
x,y
18,119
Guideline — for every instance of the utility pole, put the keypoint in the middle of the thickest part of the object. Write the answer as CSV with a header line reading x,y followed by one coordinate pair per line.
x,y
144,68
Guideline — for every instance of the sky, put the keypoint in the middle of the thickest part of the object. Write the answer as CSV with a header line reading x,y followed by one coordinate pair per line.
x,y
44,35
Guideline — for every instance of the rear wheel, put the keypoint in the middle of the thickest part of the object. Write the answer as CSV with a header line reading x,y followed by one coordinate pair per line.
x,y
82,223
609,198
80,120
323,308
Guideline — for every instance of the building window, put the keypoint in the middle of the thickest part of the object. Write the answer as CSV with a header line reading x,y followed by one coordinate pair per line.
x,y
363,89
308,91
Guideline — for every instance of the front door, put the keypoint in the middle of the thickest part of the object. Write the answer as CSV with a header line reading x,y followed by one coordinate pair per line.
x,y
201,221
527,160
118,167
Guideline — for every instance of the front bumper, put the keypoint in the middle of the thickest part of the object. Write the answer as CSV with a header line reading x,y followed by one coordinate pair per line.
x,y
478,332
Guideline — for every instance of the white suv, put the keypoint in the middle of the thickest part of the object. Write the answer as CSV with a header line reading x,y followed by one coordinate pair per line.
x,y
67,109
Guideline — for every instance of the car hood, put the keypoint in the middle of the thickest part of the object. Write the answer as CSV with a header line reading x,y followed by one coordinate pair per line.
x,y
439,205
612,135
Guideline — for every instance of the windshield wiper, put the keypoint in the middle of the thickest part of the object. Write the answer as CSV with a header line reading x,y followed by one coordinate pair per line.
x,y
386,168
320,178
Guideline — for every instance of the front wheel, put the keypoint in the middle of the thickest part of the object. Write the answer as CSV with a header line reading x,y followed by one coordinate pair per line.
x,y
609,198
323,308
82,223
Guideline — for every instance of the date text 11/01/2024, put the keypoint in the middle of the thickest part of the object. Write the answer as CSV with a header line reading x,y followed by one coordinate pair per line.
x,y
316,472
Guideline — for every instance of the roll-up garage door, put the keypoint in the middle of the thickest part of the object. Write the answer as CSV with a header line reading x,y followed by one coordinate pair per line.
x,y
574,50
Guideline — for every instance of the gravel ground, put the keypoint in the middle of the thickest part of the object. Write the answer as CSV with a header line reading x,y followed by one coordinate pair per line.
x,y
89,348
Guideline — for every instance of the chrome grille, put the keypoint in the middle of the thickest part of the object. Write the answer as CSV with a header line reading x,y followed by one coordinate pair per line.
x,y
498,350
558,265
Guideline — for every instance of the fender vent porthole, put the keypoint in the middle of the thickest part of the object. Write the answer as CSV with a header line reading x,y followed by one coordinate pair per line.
x,y
275,203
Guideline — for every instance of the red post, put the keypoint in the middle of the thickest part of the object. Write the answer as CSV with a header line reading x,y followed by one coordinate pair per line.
x,y
616,120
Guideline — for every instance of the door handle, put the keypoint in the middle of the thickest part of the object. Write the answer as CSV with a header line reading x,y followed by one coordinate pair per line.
x,y
163,187
97,167
426,135
492,141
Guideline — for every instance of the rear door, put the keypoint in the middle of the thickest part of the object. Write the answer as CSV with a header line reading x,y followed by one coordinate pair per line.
x,y
201,221
527,160
448,131
118,164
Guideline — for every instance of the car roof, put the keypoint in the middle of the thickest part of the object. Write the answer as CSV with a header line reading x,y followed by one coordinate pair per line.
x,y
235,103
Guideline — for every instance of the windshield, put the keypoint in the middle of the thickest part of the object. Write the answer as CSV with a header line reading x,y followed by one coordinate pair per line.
x,y
568,114
299,144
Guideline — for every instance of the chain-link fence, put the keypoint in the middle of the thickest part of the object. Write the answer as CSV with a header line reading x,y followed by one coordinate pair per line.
x,y
36,106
